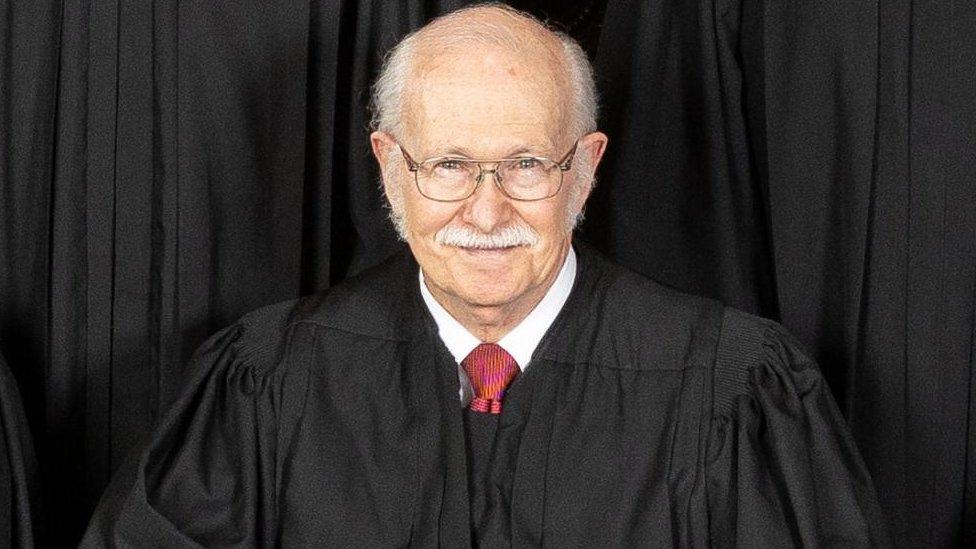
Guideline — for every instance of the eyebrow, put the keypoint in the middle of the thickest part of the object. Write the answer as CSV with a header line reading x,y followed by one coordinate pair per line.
x,y
466,153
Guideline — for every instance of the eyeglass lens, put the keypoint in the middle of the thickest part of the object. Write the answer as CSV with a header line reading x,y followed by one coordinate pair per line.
x,y
520,178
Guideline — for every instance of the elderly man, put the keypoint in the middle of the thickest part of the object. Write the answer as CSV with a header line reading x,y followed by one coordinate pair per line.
x,y
496,385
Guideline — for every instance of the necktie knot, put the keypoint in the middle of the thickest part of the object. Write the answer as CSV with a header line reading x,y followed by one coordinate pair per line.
x,y
491,369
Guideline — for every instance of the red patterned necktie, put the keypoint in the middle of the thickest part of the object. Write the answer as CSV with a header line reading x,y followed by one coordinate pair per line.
x,y
490,369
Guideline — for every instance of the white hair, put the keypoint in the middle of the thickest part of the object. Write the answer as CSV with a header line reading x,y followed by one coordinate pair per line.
x,y
453,29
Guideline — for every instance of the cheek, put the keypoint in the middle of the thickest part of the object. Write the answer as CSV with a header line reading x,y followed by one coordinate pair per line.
x,y
547,218
427,217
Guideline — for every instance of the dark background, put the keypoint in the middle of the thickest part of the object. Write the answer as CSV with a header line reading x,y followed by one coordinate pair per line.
x,y
166,166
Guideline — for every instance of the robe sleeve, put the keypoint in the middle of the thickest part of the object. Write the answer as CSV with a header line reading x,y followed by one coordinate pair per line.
x,y
782,469
208,474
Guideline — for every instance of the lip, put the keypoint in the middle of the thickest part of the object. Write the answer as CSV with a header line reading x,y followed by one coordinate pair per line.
x,y
489,250
490,253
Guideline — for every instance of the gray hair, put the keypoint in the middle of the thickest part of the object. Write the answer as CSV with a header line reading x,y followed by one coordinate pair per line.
x,y
388,91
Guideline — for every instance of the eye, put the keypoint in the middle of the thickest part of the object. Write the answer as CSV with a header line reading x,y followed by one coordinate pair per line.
x,y
449,164
527,163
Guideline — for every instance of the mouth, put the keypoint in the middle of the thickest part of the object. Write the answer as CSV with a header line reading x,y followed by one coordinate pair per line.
x,y
488,252
474,249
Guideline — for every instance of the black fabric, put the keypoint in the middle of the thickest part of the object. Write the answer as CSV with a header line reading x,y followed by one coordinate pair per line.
x,y
811,162
479,442
682,201
166,166
336,422
20,516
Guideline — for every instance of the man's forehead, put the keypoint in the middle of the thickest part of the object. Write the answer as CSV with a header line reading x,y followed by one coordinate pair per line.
x,y
476,90
476,128
501,89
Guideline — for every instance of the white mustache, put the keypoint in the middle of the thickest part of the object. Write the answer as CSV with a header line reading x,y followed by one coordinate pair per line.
x,y
505,237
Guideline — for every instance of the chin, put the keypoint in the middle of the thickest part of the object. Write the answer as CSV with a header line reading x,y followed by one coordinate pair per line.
x,y
491,293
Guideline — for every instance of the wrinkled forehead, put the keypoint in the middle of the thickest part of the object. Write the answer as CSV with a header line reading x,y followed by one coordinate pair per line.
x,y
487,98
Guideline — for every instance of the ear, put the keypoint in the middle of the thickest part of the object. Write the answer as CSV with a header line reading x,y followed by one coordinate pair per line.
x,y
593,145
591,148
383,146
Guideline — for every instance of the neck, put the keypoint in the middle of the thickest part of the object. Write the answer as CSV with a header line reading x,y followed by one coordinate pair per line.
x,y
490,323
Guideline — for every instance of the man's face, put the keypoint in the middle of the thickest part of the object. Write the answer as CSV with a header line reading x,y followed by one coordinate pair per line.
x,y
487,104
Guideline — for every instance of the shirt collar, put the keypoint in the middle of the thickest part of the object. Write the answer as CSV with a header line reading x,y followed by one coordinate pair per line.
x,y
522,340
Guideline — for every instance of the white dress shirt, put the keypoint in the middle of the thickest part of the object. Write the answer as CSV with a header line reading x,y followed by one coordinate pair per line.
x,y
520,342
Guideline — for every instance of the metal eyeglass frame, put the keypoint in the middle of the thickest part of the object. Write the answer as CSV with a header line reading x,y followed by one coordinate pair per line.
x,y
564,165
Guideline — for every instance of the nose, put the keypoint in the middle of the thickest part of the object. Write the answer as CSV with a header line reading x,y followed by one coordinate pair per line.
x,y
488,208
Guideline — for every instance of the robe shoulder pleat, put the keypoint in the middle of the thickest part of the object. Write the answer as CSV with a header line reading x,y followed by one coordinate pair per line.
x,y
782,468
211,464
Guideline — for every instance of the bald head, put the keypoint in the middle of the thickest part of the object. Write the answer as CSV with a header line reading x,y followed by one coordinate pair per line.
x,y
469,35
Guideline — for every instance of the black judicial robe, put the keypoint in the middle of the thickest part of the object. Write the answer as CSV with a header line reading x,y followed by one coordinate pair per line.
x,y
646,418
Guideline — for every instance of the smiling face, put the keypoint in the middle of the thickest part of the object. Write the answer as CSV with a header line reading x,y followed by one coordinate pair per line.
x,y
487,103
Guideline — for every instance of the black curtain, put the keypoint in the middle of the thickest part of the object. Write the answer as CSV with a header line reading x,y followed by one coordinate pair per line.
x,y
813,162
884,293
21,517
168,165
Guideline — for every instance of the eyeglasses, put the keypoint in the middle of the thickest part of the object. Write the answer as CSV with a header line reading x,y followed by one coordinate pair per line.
x,y
524,178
